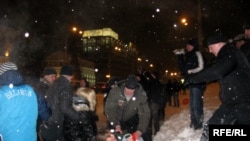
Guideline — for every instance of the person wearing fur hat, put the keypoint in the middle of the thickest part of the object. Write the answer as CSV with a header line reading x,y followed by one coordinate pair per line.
x,y
85,129
191,63
59,98
18,106
127,109
232,70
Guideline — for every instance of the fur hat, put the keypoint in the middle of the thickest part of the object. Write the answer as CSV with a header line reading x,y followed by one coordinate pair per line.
x,y
49,71
66,70
131,82
216,37
7,66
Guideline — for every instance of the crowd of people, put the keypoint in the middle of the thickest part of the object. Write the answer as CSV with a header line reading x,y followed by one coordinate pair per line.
x,y
51,109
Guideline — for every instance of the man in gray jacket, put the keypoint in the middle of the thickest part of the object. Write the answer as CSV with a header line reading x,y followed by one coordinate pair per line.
x,y
127,109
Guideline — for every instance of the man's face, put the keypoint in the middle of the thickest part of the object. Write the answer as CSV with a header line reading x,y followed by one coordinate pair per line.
x,y
50,78
189,47
247,33
215,48
128,91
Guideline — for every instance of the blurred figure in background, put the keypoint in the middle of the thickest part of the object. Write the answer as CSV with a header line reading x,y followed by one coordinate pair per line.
x,y
176,90
245,48
84,83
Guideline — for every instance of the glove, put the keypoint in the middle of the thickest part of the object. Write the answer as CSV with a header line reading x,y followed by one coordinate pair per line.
x,y
179,51
187,82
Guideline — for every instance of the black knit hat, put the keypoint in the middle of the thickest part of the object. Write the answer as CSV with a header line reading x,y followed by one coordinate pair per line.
x,y
66,70
194,43
49,71
131,82
216,37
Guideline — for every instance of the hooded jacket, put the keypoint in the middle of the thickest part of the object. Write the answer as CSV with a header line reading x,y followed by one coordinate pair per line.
x,y
18,108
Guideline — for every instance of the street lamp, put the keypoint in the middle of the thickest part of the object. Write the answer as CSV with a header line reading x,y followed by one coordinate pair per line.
x,y
184,21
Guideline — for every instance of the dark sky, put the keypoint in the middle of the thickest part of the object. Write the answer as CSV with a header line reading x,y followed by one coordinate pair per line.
x,y
147,23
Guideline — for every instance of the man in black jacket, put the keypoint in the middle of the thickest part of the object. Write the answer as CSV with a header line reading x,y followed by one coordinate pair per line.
x,y
59,97
232,70
192,61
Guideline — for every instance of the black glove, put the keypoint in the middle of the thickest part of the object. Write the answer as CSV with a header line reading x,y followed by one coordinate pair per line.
x,y
187,82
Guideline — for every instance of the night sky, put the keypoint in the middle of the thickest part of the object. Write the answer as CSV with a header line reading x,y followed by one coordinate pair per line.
x,y
153,25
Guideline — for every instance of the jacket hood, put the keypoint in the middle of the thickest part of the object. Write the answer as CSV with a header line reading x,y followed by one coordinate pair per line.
x,y
11,77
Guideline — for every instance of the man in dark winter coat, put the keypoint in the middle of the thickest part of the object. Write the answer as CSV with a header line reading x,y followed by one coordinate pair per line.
x,y
44,112
191,63
59,98
232,70
127,108
156,96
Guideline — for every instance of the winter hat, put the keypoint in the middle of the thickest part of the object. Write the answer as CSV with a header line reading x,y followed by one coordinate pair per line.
x,y
131,82
66,70
7,66
239,37
216,37
49,71
193,42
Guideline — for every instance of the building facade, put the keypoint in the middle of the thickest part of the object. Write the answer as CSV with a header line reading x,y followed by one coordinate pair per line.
x,y
111,56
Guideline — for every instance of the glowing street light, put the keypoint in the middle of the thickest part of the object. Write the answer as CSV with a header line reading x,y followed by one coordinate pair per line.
x,y
184,21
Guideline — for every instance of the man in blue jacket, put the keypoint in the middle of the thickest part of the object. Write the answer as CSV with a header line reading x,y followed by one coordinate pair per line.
x,y
18,106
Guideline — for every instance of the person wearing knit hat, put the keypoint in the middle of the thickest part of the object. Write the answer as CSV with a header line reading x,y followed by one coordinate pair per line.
x,y
129,95
66,70
216,37
232,72
47,79
59,98
18,105
191,63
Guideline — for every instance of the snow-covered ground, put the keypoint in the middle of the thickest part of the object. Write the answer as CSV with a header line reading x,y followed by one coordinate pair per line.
x,y
176,126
